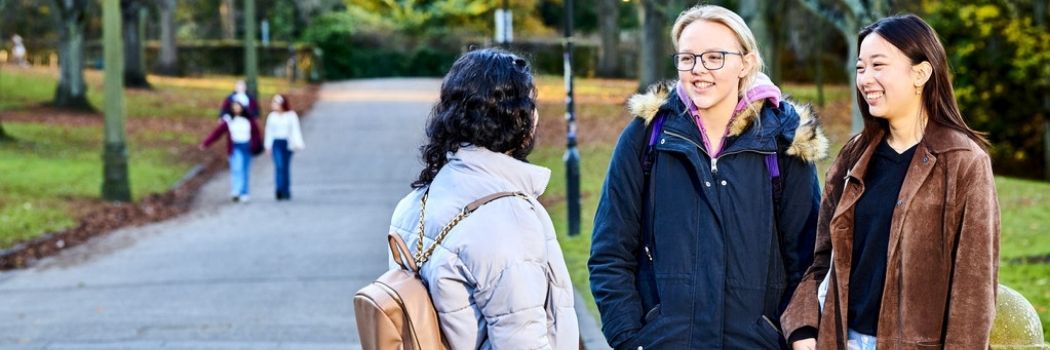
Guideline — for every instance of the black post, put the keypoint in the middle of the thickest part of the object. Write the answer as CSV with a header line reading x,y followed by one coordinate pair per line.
x,y
572,155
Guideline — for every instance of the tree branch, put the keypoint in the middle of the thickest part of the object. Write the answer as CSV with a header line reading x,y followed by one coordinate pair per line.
x,y
857,8
834,17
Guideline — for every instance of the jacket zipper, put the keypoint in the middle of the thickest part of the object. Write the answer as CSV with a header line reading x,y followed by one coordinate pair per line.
x,y
714,160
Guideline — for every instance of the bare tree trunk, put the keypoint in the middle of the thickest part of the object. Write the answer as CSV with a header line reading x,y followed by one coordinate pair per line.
x,y
818,58
72,18
4,137
848,16
1039,7
228,17
857,121
169,58
609,21
1046,140
653,60
134,69
115,185
251,55
755,13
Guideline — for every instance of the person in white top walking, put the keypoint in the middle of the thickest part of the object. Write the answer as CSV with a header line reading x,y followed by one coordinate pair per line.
x,y
18,52
242,142
283,136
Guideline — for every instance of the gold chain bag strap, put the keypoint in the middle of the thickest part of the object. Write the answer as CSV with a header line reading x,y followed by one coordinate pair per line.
x,y
423,255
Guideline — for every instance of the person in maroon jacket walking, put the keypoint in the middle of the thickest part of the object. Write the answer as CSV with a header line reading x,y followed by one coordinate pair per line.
x,y
240,95
243,140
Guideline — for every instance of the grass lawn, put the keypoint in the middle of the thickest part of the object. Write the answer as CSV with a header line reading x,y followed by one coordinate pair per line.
x,y
54,168
1025,205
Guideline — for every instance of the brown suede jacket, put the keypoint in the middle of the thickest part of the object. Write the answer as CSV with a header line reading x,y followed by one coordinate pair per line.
x,y
943,256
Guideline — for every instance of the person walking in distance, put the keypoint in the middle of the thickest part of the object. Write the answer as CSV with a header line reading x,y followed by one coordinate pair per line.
x,y
243,140
283,138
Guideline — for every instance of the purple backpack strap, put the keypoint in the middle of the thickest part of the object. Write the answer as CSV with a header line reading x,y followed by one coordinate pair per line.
x,y
773,165
654,133
658,126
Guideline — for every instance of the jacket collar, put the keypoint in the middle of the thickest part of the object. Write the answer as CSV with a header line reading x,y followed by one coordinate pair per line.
x,y
529,178
936,139
940,139
805,136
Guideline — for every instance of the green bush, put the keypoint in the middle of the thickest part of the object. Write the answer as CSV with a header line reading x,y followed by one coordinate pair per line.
x,y
1001,62
432,62
380,50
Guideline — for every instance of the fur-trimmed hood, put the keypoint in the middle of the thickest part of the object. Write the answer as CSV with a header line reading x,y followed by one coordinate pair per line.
x,y
805,134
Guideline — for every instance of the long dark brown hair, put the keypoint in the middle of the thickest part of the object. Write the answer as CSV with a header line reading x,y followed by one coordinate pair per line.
x,y
917,40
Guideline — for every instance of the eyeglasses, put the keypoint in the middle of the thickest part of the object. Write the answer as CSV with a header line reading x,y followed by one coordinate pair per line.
x,y
712,60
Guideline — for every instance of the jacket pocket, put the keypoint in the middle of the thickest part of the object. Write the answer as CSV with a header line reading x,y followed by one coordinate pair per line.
x,y
645,337
767,333
652,314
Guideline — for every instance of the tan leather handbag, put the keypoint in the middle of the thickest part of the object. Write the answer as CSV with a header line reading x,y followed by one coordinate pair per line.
x,y
395,311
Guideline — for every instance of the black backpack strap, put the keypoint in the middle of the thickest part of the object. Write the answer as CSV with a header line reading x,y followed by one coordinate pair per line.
x,y
656,127
774,301
646,270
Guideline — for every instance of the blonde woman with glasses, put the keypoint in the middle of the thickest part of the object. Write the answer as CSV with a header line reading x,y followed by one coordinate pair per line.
x,y
707,218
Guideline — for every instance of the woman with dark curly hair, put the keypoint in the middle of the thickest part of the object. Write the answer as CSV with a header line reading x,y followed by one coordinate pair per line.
x,y
497,277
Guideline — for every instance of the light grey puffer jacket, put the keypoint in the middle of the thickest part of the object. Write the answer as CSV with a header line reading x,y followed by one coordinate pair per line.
x,y
499,279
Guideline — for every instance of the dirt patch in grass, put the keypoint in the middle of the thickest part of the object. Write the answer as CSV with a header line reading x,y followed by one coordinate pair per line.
x,y
68,118
595,123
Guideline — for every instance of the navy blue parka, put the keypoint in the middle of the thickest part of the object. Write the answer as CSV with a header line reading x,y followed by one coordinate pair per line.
x,y
721,261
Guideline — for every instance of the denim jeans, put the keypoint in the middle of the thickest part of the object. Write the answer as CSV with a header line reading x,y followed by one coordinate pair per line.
x,y
859,341
282,158
240,167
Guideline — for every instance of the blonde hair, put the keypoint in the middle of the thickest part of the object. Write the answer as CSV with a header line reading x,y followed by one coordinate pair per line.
x,y
719,14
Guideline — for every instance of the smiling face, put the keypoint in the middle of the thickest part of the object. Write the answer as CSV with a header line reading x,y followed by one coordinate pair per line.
x,y
887,80
712,89
237,109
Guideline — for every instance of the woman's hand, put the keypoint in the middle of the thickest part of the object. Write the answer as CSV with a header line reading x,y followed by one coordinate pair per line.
x,y
805,344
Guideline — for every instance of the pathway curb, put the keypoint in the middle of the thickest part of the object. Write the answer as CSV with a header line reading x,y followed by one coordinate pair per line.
x,y
591,337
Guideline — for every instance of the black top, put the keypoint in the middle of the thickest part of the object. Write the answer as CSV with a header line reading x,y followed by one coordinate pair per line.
x,y
871,235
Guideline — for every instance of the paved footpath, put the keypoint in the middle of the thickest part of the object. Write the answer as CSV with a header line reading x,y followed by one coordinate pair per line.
x,y
260,275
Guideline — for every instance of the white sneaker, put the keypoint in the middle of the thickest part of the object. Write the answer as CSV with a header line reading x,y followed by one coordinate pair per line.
x,y
243,198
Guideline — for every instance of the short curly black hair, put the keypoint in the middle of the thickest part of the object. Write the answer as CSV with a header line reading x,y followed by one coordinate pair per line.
x,y
488,99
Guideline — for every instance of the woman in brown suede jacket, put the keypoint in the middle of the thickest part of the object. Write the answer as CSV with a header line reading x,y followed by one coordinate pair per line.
x,y
909,221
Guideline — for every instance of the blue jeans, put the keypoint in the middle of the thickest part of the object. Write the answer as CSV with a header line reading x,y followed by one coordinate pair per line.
x,y
859,341
282,159
240,167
